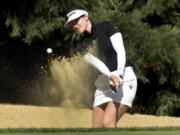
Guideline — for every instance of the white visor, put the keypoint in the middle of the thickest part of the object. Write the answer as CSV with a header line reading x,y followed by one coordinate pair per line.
x,y
75,14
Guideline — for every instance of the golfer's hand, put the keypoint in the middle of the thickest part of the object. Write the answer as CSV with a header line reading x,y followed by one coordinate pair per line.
x,y
117,81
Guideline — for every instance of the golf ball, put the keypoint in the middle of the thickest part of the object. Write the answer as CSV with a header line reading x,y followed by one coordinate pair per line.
x,y
49,50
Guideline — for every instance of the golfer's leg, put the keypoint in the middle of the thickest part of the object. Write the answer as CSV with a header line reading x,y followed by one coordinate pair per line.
x,y
110,115
97,115
121,111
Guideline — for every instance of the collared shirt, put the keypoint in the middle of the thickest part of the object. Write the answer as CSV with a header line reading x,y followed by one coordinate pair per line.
x,y
102,33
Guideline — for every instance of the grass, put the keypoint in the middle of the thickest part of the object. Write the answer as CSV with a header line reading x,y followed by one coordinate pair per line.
x,y
90,131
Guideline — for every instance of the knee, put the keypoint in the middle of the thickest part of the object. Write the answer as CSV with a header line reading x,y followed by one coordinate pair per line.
x,y
107,123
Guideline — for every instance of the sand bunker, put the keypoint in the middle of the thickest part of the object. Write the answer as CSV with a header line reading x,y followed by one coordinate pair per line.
x,y
19,116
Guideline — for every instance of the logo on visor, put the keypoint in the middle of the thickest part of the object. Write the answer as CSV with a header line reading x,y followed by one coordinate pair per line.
x,y
70,14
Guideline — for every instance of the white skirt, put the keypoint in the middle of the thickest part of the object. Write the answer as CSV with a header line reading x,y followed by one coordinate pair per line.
x,y
125,95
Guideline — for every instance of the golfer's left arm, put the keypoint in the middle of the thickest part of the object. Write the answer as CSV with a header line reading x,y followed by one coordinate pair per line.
x,y
117,43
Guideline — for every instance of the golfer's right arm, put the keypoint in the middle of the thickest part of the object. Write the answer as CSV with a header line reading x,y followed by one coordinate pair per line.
x,y
101,67
96,63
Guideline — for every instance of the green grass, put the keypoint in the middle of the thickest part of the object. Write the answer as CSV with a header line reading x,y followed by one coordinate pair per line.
x,y
90,131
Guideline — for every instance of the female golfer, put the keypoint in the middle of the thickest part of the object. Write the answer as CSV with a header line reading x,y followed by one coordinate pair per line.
x,y
109,104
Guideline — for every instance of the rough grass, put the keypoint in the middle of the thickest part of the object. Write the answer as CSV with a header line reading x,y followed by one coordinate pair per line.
x,y
92,131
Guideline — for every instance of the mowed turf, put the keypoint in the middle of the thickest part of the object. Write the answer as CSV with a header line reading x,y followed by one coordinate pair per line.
x,y
103,133
89,131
